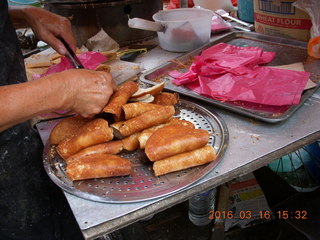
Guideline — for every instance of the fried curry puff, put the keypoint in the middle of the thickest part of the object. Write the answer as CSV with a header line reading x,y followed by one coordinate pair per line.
x,y
66,127
174,139
94,132
111,147
145,134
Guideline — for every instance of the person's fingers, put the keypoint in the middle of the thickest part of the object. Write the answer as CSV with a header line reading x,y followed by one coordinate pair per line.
x,y
70,40
110,80
56,44
114,85
87,91
85,115
67,34
50,33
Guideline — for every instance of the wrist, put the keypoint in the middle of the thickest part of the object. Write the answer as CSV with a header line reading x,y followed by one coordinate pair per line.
x,y
61,90
18,15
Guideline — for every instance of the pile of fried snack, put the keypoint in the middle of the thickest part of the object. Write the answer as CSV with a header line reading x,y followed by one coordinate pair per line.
x,y
141,119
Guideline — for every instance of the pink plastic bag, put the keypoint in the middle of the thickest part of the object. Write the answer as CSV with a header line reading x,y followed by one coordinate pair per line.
x,y
90,60
230,73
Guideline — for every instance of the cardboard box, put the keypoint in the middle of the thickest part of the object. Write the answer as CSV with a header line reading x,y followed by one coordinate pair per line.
x,y
281,18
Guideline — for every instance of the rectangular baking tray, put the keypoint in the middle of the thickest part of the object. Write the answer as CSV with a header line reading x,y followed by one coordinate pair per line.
x,y
287,52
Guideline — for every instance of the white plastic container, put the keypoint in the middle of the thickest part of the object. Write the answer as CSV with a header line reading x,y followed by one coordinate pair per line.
x,y
179,30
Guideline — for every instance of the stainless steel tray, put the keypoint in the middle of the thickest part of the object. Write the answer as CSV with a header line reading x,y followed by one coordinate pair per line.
x,y
287,52
143,184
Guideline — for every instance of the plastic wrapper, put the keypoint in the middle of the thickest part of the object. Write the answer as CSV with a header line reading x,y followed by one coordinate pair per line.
x,y
219,25
102,42
230,73
312,7
90,60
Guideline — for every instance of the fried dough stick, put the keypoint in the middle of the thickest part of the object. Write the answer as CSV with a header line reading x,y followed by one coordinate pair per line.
x,y
145,120
132,110
98,166
185,160
131,143
166,98
119,98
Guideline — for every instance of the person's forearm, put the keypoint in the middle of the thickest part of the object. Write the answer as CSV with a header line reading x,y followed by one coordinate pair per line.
x,y
17,15
20,102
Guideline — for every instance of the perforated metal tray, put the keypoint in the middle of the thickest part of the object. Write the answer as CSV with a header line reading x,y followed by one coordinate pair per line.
x,y
142,184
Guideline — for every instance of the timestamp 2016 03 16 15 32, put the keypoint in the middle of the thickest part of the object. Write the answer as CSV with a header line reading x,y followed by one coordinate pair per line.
x,y
283,214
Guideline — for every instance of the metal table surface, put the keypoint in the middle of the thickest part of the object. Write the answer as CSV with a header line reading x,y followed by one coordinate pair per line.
x,y
252,144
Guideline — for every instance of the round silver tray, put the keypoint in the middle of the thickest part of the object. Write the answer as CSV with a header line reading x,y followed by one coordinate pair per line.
x,y
142,184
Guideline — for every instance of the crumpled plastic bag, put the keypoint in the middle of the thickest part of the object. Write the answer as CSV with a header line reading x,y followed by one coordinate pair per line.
x,y
90,60
231,73
312,7
102,42
218,24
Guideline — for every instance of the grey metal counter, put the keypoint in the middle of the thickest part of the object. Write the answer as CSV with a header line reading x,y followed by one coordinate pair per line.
x,y
252,144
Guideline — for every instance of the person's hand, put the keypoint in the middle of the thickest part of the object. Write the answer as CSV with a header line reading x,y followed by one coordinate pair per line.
x,y
85,92
47,26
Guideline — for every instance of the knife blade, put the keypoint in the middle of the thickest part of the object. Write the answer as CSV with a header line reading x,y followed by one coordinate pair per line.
x,y
74,60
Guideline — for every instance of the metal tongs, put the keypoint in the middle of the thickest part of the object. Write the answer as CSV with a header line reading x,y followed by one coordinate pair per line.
x,y
74,60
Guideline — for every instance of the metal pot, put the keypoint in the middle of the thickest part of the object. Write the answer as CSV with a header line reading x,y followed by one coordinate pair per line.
x,y
179,30
89,16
